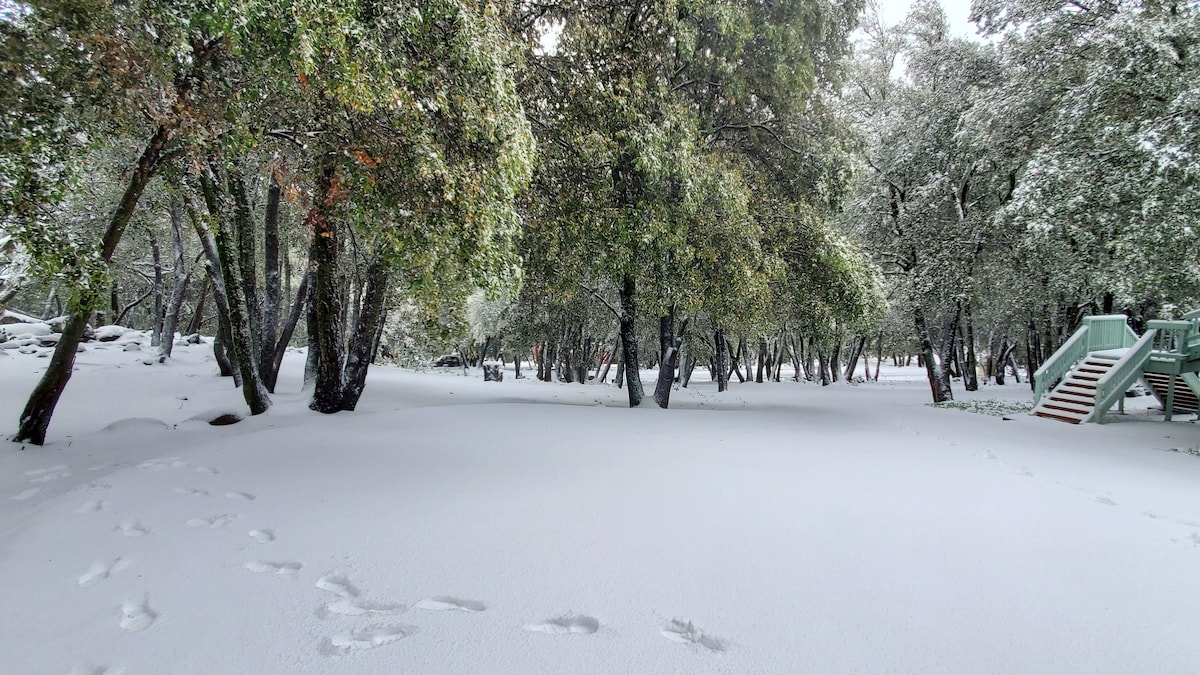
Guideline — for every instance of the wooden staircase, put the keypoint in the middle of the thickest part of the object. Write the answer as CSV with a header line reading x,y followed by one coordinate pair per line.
x,y
1185,399
1074,399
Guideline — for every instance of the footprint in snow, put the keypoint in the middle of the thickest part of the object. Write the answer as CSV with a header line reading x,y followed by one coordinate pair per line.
x,y
244,496
579,625
92,506
191,492
687,633
48,474
367,638
133,528
262,536
348,602
25,494
88,669
220,520
208,470
162,464
94,485
100,570
358,607
445,604
1106,501
278,568
338,585
136,616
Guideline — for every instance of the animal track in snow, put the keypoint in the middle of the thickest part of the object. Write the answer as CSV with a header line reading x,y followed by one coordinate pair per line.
x,y
279,568
99,571
367,638
442,604
133,528
92,506
1106,501
191,492
579,625
262,536
25,494
208,470
687,633
244,496
220,520
94,485
136,616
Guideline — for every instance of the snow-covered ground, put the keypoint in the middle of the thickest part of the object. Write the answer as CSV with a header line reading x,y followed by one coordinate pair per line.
x,y
456,526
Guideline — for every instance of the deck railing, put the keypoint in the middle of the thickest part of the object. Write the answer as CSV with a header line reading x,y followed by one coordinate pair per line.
x,y
1097,333
1112,385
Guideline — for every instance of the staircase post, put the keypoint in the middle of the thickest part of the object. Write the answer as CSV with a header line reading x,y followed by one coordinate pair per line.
x,y
1169,404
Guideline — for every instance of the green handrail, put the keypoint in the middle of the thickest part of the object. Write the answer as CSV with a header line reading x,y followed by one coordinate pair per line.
x,y
1122,375
1060,363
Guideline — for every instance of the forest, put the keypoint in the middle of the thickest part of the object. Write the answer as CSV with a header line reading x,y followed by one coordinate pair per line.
x,y
576,185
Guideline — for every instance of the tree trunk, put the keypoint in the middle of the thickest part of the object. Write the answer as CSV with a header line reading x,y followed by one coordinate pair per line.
x,y
313,357
857,344
762,360
938,384
1001,355
971,365
721,357
171,316
629,345
272,298
242,236
669,343
370,317
239,320
35,418
878,353
327,395
198,315
157,290
271,377
212,269
608,359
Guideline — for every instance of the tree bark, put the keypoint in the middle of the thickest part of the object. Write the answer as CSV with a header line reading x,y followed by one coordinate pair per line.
x,y
285,338
157,289
35,418
171,316
970,367
669,343
212,269
721,359
370,317
629,343
938,383
327,394
240,322
272,298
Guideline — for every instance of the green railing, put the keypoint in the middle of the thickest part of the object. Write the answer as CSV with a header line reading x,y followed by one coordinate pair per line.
x,y
1110,331
1112,385
1172,336
1060,363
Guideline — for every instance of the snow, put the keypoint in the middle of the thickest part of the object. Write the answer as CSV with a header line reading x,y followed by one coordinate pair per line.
x,y
453,526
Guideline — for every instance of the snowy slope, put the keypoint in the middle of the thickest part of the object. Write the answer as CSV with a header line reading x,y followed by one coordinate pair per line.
x,y
457,526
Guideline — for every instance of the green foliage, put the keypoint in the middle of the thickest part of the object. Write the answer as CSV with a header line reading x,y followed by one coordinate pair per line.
x,y
993,407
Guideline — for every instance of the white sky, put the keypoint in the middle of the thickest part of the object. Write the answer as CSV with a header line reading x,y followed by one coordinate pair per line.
x,y
894,12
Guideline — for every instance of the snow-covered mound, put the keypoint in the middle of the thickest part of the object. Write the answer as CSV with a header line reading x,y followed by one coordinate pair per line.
x,y
453,526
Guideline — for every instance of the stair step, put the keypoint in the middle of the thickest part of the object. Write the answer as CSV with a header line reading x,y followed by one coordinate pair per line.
x,y
1082,382
1084,410
1068,397
1061,418
1076,390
